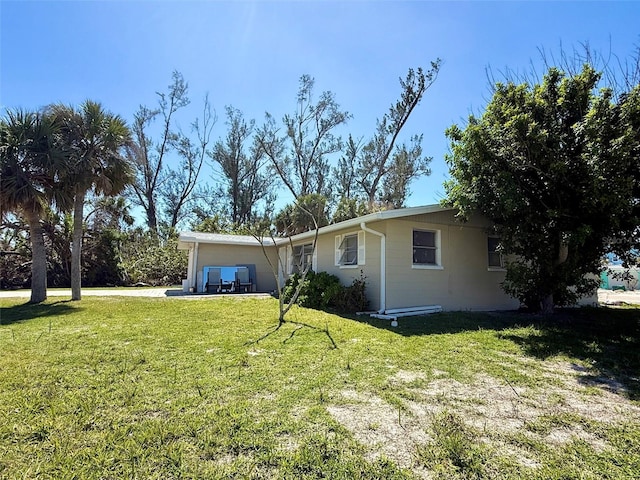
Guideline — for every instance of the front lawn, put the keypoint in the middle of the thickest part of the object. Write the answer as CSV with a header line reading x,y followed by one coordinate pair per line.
x,y
171,388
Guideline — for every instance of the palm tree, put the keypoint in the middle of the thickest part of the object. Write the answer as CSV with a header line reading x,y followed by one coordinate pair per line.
x,y
30,160
94,139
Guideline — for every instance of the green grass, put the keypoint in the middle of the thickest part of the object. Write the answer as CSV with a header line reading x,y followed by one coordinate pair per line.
x,y
171,388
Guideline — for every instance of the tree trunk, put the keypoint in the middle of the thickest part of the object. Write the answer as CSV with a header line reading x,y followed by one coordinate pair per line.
x,y
152,218
174,217
38,259
76,249
546,305
283,311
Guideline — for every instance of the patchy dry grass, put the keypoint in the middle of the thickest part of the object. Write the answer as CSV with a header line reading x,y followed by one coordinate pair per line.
x,y
499,415
165,388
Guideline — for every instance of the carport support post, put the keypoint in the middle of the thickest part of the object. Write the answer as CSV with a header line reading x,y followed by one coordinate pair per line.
x,y
195,267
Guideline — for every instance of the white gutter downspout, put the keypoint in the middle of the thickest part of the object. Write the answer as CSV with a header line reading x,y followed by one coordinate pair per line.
x,y
195,268
383,267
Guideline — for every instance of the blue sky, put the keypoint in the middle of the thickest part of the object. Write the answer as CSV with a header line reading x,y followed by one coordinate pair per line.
x,y
250,54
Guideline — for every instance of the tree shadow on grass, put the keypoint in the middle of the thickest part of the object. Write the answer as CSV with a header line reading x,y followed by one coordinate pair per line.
x,y
607,339
28,311
299,326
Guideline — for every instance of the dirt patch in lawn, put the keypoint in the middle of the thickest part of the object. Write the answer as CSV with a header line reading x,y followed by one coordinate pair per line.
x,y
377,424
493,408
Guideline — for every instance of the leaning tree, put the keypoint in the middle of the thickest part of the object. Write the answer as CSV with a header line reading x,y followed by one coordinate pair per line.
x,y
385,167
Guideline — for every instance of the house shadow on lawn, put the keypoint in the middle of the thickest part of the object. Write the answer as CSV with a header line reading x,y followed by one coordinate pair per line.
x,y
607,339
28,311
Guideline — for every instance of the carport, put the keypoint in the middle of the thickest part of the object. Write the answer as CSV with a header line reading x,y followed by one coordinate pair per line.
x,y
231,255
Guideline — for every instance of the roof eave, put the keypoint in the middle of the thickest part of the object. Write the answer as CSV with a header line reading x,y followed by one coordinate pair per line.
x,y
371,217
185,240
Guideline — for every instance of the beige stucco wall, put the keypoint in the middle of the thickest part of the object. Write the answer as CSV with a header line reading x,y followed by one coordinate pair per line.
x,y
464,281
230,255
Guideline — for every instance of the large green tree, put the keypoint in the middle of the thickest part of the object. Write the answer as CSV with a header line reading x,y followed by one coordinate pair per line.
x,y
554,166
30,160
94,140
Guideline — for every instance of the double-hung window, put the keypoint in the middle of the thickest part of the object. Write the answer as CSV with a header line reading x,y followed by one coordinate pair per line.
x,y
494,257
350,249
425,248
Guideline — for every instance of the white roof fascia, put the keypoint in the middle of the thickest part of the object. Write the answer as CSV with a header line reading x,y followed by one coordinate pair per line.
x,y
371,217
227,239
186,238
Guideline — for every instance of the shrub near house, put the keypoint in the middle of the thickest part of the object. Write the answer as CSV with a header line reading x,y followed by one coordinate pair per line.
x,y
324,291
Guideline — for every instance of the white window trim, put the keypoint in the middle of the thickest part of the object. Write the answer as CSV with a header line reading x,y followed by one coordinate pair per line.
x,y
428,266
420,266
361,251
289,260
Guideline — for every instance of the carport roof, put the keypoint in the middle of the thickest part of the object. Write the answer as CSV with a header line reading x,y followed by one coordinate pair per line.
x,y
187,238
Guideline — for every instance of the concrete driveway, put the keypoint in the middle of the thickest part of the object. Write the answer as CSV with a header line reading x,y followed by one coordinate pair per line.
x,y
162,292
617,297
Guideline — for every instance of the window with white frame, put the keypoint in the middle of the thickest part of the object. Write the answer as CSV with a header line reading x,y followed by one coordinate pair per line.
x,y
425,248
350,249
302,258
494,257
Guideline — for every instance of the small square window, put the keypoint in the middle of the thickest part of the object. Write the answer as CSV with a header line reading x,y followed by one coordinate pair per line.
x,y
349,250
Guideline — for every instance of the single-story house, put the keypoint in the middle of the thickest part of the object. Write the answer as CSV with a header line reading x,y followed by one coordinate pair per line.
x,y
410,257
